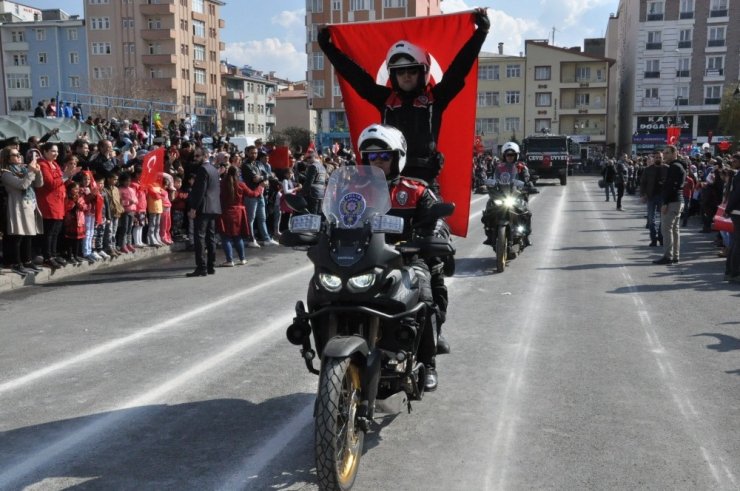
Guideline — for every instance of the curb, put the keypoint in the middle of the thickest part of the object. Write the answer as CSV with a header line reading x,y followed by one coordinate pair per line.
x,y
12,281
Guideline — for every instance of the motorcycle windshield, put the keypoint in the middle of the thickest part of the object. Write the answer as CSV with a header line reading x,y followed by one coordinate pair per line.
x,y
354,194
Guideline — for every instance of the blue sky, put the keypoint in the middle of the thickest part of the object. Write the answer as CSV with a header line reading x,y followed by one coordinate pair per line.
x,y
270,35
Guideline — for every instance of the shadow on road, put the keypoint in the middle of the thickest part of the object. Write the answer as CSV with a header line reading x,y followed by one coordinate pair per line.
x,y
472,267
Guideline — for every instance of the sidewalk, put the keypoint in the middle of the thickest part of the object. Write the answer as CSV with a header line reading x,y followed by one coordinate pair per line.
x,y
11,281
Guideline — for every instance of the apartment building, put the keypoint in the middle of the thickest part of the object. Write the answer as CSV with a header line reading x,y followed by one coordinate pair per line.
x,y
325,96
567,93
249,102
500,107
685,58
164,50
42,53
291,109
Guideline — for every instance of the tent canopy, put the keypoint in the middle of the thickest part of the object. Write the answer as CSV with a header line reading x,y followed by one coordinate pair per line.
x,y
25,127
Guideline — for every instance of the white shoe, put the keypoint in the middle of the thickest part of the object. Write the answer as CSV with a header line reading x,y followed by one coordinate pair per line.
x,y
241,262
102,254
253,244
270,242
92,259
96,256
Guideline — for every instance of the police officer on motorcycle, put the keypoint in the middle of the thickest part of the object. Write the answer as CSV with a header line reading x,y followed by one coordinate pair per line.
x,y
513,168
384,147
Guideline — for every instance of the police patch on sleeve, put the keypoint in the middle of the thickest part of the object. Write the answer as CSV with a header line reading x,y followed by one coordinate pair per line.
x,y
351,208
402,197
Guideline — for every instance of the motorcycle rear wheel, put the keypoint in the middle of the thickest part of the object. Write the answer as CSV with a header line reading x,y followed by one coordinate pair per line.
x,y
338,440
501,249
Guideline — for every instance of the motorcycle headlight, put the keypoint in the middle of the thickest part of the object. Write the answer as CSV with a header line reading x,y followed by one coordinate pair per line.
x,y
362,282
330,282
509,201
498,202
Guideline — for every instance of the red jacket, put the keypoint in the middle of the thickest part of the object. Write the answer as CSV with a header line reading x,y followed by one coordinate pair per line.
x,y
74,219
233,220
51,195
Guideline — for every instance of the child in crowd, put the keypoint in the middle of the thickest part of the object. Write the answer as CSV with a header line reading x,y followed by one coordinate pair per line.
x,y
113,197
89,195
154,210
165,227
129,201
179,207
74,222
102,219
140,217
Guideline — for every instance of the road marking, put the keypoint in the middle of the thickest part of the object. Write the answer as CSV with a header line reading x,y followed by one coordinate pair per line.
x,y
120,342
695,425
52,452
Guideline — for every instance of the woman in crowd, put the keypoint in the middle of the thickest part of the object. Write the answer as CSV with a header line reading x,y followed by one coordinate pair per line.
x,y
233,224
23,218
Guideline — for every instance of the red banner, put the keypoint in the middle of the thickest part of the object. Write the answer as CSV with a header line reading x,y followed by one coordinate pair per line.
x,y
673,135
280,158
367,44
152,168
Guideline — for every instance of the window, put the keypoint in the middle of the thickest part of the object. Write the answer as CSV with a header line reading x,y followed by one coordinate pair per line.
x,y
17,36
336,90
18,81
684,67
101,48
651,93
183,25
542,72
199,28
512,96
583,99
200,99
315,5
486,126
488,99
42,58
389,4
712,94
543,99
43,81
74,58
716,36
488,72
542,125
583,73
154,23
20,59
40,34
250,108
654,40
129,48
198,6
682,94
684,38
127,23
513,71
199,76
715,66
98,2
156,73
318,88
99,23
718,8
336,4
199,52
511,124
357,5
686,10
19,103
212,55
72,34
185,73
652,68
655,10
102,72
317,61
129,72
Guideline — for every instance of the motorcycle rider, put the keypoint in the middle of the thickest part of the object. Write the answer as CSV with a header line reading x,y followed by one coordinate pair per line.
x,y
384,147
515,169
412,104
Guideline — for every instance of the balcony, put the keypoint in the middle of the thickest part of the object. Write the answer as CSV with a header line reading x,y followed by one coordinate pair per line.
x,y
714,72
270,120
221,23
651,101
221,46
654,46
655,16
235,94
161,59
682,101
684,44
714,43
235,115
161,83
222,91
718,13
652,74
200,88
165,8
157,34
686,15
17,46
711,101
683,73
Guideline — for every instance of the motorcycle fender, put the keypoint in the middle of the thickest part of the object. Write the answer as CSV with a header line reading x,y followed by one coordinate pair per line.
x,y
343,346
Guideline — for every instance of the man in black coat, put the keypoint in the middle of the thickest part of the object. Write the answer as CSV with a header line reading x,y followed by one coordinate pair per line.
x,y
672,204
204,206
732,211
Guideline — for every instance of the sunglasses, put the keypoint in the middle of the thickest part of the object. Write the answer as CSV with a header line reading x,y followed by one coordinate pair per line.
x,y
408,70
373,156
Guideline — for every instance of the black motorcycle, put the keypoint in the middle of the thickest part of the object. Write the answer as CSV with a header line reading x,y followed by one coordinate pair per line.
x,y
506,219
364,313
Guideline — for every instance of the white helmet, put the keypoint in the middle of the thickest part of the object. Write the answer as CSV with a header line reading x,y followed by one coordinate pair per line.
x,y
405,54
379,137
510,147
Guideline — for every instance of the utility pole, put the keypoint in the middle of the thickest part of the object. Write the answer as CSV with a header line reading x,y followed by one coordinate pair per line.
x,y
553,35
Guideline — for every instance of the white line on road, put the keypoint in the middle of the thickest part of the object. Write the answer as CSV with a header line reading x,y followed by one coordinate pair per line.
x,y
53,452
118,343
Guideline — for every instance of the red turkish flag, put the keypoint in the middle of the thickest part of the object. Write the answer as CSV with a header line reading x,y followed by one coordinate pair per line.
x,y
152,168
367,44
478,145
673,135
280,158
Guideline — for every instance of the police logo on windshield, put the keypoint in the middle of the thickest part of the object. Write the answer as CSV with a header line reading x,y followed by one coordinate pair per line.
x,y
402,197
351,208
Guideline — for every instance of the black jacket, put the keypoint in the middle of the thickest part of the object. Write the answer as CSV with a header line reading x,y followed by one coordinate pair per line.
x,y
673,184
205,197
733,199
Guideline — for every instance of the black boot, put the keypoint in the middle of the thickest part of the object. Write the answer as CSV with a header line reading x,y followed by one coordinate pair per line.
x,y
443,347
430,383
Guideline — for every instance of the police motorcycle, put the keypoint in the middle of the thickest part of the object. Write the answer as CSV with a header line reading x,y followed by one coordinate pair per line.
x,y
506,219
363,312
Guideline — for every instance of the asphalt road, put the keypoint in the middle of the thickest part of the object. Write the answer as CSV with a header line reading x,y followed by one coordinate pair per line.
x,y
582,366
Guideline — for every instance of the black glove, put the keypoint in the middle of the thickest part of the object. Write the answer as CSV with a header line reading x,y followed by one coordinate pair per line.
x,y
481,19
324,36
437,161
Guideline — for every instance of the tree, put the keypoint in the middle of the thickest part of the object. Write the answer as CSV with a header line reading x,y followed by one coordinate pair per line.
x,y
729,116
292,136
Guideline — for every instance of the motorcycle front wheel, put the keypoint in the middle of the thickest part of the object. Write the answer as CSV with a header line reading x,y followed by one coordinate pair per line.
x,y
501,249
338,439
